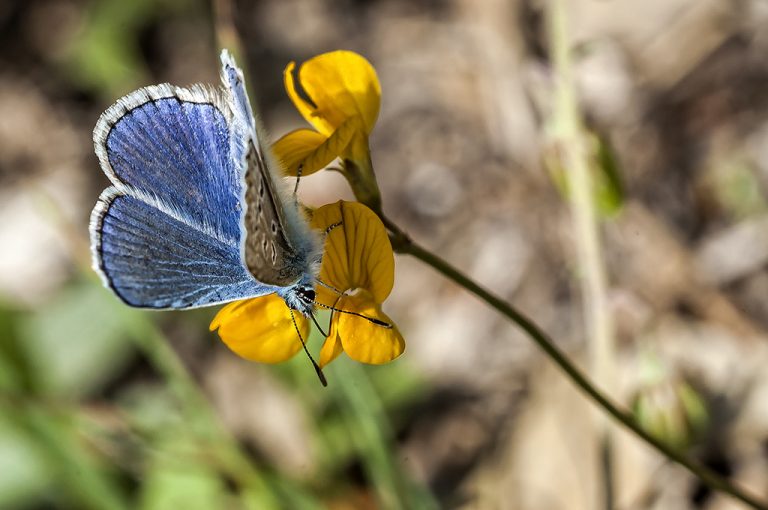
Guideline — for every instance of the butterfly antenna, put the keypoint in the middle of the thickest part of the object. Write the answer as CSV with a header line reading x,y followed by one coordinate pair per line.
x,y
334,289
330,319
332,226
317,368
318,325
373,320
298,178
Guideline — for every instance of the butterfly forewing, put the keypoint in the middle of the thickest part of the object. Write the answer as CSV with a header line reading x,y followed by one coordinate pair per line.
x,y
277,242
269,254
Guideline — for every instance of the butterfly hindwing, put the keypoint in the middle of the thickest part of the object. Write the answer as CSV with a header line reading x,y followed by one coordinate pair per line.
x,y
268,253
151,259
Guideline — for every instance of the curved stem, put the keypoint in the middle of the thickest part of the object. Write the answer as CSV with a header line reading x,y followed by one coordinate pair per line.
x,y
402,243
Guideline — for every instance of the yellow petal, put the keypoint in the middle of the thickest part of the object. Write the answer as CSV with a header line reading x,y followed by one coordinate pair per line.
x,y
260,329
306,109
332,345
363,340
340,85
358,254
312,150
295,147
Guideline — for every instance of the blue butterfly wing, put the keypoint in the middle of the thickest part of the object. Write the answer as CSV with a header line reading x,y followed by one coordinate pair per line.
x,y
151,259
180,145
168,233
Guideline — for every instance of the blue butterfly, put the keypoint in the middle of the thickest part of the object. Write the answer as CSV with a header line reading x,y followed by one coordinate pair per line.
x,y
197,213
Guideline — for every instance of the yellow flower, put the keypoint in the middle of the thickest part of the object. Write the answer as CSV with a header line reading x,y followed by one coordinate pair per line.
x,y
261,329
342,100
358,261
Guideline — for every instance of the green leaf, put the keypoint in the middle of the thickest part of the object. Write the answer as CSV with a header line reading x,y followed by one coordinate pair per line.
x,y
176,477
78,341
16,373
105,56
609,191
26,474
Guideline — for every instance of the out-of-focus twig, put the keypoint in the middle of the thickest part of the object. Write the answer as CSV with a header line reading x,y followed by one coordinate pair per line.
x,y
224,27
569,138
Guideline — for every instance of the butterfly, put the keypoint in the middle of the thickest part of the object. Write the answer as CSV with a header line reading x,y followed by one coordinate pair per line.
x,y
197,213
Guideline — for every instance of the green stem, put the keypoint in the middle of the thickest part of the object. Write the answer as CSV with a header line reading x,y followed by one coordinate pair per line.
x,y
569,136
403,244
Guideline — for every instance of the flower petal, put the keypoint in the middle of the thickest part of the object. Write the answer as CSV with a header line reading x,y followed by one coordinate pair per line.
x,y
295,147
260,329
332,345
306,109
363,340
358,254
340,85
313,150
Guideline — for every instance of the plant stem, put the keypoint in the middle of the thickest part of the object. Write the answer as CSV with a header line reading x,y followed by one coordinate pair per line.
x,y
569,137
403,244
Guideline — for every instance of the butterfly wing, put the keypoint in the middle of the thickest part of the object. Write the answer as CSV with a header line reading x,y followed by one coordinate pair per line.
x,y
168,234
151,259
280,249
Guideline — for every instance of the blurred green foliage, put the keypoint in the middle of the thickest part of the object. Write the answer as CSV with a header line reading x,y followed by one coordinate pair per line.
x,y
105,56
668,407
608,191
736,187
156,443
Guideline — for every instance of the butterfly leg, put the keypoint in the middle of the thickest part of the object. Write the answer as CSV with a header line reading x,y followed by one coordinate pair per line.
x,y
333,309
332,226
298,177
330,287
325,234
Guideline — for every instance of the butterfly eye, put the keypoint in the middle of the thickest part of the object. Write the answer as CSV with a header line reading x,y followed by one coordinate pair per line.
x,y
307,295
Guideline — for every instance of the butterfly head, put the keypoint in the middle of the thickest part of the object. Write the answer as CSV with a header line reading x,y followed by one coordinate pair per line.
x,y
306,295
301,296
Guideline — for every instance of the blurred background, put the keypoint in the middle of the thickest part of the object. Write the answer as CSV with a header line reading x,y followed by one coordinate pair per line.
x,y
103,407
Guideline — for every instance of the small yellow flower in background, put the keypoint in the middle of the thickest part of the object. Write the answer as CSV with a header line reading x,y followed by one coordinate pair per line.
x,y
343,96
358,258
